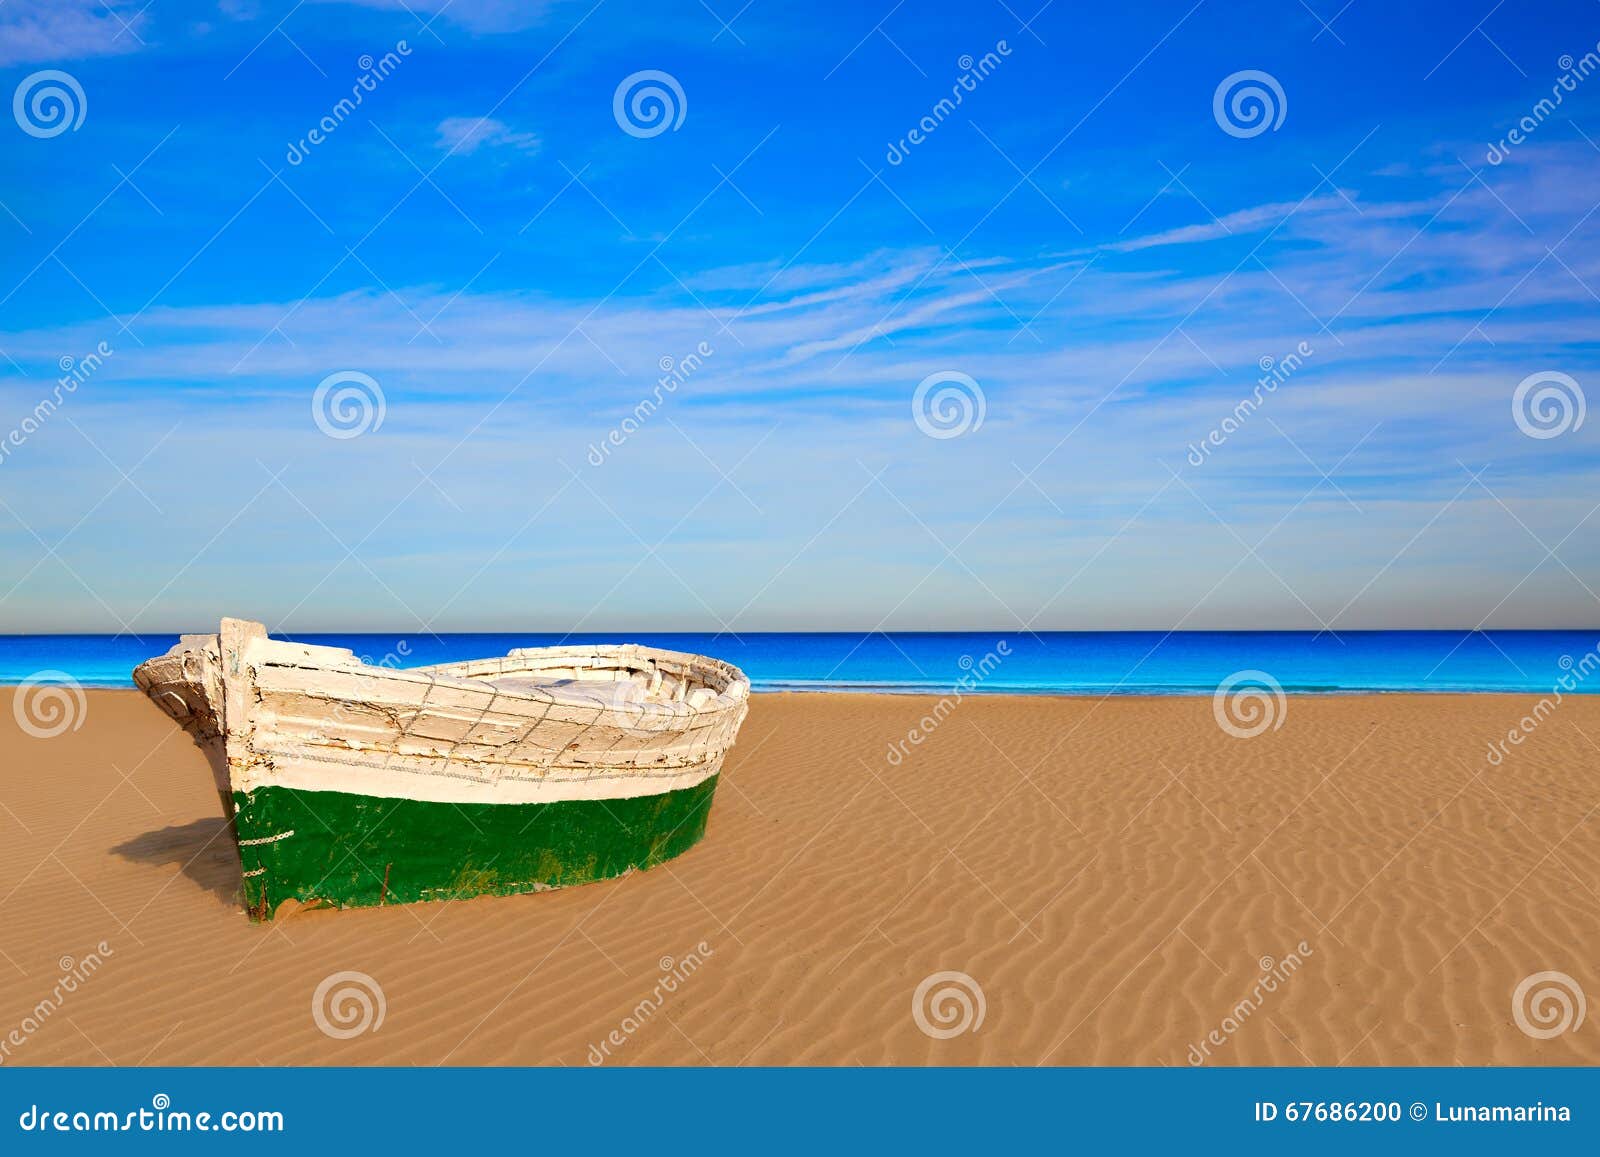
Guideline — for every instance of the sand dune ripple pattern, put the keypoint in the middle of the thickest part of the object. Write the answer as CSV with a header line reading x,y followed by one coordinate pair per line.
x,y
1054,880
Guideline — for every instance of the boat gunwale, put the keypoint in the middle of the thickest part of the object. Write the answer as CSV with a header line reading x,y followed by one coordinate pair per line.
x,y
690,665
734,694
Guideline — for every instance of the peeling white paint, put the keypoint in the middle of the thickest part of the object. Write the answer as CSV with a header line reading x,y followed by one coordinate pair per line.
x,y
536,726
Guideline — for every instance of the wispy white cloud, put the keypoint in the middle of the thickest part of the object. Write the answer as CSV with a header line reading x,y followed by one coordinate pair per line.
x,y
1243,221
1093,396
464,135
34,31
488,16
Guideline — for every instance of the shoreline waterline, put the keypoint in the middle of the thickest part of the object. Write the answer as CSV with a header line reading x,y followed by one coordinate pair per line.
x,y
1091,664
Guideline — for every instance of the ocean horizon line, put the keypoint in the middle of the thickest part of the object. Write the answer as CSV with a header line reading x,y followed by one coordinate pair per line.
x,y
1092,663
657,632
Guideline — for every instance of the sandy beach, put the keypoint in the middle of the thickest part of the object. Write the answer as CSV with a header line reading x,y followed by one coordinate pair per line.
x,y
1119,882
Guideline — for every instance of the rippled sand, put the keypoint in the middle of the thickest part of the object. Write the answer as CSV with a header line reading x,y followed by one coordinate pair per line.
x,y
1110,882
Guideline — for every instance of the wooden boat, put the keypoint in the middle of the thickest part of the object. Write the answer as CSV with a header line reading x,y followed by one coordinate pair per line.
x,y
351,784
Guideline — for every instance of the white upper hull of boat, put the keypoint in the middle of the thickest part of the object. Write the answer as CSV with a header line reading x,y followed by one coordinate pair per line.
x,y
537,726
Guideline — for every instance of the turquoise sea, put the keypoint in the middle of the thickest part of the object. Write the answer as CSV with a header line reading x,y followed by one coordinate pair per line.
x,y
1078,662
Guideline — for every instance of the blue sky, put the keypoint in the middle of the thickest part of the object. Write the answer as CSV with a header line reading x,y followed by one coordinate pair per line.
x,y
1088,245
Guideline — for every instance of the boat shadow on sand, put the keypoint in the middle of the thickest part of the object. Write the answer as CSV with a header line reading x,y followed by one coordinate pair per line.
x,y
205,850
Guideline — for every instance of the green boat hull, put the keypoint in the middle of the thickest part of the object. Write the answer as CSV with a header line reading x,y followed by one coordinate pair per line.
x,y
335,849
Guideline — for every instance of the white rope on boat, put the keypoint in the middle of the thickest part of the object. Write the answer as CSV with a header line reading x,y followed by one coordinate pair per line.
x,y
257,872
266,839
